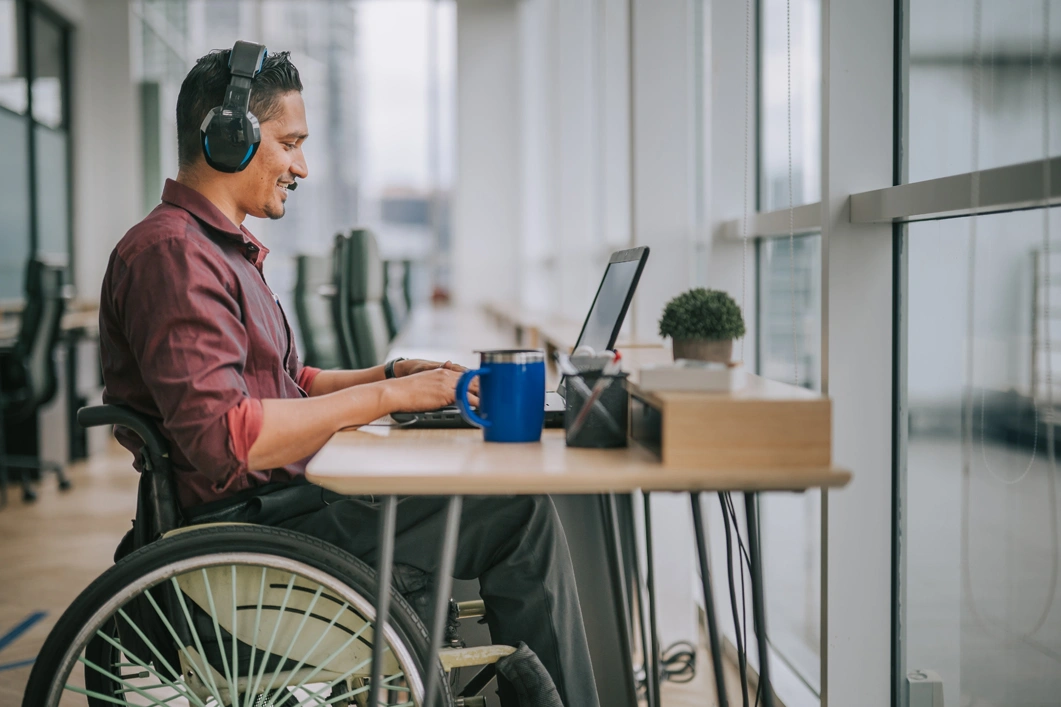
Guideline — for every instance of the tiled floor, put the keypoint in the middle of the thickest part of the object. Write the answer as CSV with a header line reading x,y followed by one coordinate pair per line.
x,y
51,550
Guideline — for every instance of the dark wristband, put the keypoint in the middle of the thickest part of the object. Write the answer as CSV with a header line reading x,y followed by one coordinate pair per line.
x,y
388,368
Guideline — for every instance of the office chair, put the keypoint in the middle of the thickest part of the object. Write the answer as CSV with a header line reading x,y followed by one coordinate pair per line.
x,y
363,323
395,305
314,294
27,370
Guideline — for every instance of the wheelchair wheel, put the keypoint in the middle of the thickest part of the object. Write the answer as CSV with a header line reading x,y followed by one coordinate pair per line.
x,y
231,615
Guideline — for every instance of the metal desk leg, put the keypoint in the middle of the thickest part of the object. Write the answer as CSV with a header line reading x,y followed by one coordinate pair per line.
x,y
634,567
615,569
709,602
443,590
758,608
387,525
652,671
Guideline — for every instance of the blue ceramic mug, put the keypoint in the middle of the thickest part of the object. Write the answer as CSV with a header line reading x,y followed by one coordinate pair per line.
x,y
511,395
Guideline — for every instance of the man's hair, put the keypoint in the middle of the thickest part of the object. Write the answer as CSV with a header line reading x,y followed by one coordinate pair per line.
x,y
204,87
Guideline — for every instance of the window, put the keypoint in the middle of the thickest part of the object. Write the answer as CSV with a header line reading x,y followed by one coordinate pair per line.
x,y
789,312
34,140
805,36
13,94
981,503
1011,84
979,593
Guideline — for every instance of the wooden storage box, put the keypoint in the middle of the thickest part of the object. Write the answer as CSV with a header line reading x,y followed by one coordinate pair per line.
x,y
765,425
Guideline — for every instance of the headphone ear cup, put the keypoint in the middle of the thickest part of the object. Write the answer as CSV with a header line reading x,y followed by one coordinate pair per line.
x,y
229,141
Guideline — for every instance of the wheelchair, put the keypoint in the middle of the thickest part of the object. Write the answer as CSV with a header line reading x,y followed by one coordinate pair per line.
x,y
240,615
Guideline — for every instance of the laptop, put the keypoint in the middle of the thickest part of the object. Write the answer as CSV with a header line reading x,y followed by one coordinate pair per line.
x,y
599,332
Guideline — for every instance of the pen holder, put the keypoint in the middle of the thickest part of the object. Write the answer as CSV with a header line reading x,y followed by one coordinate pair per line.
x,y
605,426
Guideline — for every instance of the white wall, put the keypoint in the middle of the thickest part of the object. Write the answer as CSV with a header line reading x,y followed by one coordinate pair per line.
x,y
106,140
856,348
486,206
664,154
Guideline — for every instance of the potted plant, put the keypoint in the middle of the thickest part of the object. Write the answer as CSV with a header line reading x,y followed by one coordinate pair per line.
x,y
702,324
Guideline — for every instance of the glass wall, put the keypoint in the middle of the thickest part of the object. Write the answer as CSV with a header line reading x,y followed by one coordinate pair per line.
x,y
34,141
982,501
1012,73
789,302
786,25
980,545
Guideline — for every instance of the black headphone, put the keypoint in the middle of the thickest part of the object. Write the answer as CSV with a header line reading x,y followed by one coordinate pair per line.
x,y
230,133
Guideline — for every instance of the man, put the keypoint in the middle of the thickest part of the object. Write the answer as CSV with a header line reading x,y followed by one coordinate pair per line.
x,y
192,336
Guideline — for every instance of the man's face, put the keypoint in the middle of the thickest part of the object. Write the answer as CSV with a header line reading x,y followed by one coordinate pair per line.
x,y
263,189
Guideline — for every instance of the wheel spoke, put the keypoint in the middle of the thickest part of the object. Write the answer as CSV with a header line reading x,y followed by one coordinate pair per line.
x,y
313,649
336,653
217,634
97,695
249,697
124,683
150,644
235,642
294,639
178,642
140,663
327,688
272,638
175,696
365,688
198,643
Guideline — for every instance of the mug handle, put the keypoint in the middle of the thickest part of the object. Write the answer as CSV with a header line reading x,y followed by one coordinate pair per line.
x,y
462,398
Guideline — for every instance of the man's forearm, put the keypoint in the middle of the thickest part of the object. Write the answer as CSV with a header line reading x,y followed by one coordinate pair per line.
x,y
295,428
328,382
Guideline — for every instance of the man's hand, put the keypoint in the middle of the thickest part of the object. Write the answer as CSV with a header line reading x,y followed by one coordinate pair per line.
x,y
415,365
427,390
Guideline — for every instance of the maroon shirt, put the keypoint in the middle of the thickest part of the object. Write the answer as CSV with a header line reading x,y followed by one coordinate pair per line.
x,y
189,332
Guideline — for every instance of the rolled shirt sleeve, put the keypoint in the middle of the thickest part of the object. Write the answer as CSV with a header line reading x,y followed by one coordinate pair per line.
x,y
183,324
306,376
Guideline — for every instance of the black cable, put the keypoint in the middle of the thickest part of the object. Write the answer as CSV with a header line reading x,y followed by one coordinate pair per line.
x,y
741,656
743,591
677,664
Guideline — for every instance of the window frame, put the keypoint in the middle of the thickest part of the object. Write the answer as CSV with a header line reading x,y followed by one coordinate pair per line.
x,y
26,11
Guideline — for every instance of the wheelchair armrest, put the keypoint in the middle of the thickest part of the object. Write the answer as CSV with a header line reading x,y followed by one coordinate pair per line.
x,y
142,425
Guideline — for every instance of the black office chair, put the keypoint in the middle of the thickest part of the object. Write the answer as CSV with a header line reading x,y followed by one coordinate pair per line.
x,y
27,370
395,304
341,302
363,324
314,294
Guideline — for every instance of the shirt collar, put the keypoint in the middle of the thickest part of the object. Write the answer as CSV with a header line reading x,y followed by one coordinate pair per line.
x,y
184,197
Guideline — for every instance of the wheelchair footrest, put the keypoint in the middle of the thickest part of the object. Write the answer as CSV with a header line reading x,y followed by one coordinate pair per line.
x,y
479,655
471,609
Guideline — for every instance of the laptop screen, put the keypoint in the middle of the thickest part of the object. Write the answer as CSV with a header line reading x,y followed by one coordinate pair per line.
x,y
605,317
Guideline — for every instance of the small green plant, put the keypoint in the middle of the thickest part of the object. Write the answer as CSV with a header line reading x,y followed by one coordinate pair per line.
x,y
702,314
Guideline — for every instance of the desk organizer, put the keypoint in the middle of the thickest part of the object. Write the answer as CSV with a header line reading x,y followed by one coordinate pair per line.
x,y
764,425
595,431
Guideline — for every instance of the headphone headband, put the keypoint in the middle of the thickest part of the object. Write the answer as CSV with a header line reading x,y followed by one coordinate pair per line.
x,y
230,133
246,59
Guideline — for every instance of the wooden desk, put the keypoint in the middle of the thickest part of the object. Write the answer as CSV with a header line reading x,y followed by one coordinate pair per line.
x,y
443,462
458,462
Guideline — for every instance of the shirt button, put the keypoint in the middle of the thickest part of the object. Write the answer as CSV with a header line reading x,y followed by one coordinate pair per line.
x,y
252,248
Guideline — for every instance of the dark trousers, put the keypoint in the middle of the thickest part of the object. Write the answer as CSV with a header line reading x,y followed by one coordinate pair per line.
x,y
514,545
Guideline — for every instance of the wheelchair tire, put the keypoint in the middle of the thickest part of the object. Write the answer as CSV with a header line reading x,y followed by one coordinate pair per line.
x,y
210,551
